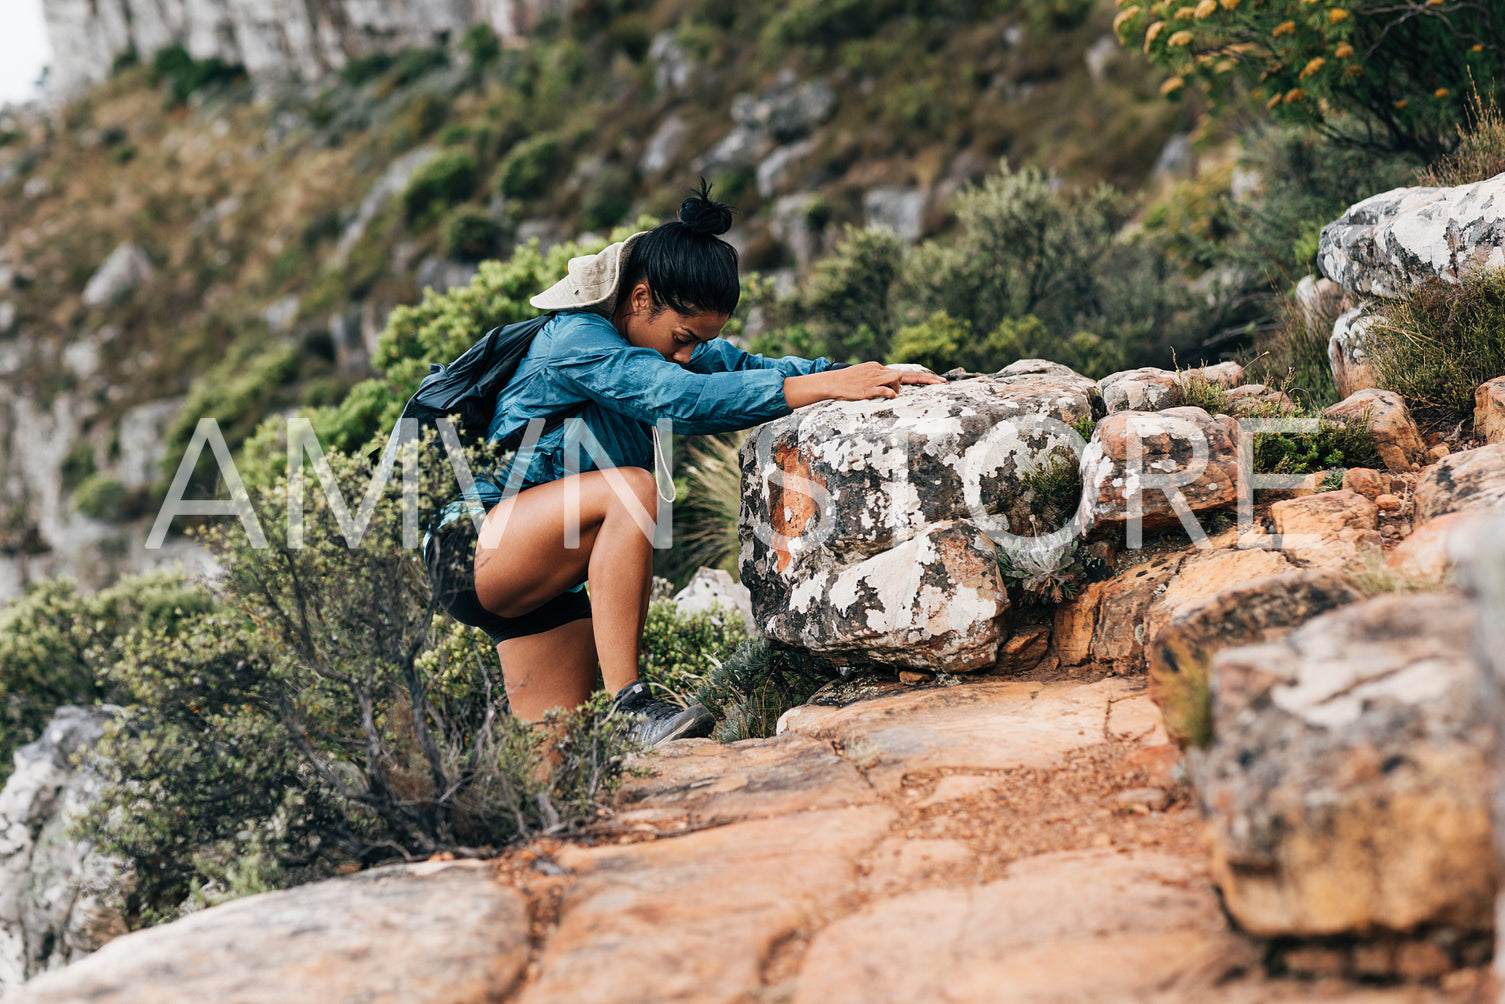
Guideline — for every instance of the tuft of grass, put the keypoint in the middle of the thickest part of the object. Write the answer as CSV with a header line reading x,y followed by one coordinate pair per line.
x,y
758,683
1335,444
1293,357
1054,490
1480,152
1199,392
1440,342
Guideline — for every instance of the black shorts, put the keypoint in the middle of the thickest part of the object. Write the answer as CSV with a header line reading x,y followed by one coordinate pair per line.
x,y
450,558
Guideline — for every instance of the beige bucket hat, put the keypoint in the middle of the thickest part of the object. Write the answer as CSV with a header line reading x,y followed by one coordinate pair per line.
x,y
590,282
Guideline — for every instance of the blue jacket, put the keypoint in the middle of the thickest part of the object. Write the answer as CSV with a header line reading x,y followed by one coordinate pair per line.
x,y
580,361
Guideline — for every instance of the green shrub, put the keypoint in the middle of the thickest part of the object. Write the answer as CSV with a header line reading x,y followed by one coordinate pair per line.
x,y
1405,72
709,487
529,168
412,65
607,197
424,114
366,68
238,394
471,234
846,302
1442,340
480,46
78,464
185,75
57,645
449,178
1333,445
313,719
679,652
757,683
940,343
100,496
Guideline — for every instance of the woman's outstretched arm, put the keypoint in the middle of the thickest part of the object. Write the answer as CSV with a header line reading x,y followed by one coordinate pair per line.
x,y
851,383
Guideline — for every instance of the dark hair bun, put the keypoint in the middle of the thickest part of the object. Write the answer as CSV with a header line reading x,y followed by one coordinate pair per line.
x,y
704,216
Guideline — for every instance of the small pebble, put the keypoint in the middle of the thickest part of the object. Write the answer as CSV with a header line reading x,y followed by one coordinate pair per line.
x,y
1388,503
1153,799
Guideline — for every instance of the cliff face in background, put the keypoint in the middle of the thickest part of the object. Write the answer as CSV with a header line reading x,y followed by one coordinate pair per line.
x,y
271,38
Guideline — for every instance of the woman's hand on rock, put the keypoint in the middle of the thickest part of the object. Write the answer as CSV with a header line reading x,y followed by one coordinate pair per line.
x,y
852,383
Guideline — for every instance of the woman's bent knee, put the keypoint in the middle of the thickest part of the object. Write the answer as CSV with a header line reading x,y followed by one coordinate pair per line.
x,y
632,489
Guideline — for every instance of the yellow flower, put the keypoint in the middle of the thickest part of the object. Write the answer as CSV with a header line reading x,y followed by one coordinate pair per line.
x,y
1172,85
1229,4
1294,94
1206,8
1337,14
1123,16
1151,33
1354,71
1184,13
1402,103
1223,66
1312,67
1477,48
1179,38
1343,51
1284,28
1273,101
1441,92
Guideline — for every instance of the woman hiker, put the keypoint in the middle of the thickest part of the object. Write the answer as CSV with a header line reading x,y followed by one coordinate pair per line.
x,y
633,340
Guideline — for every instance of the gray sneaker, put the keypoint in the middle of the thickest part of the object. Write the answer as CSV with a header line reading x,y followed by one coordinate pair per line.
x,y
662,722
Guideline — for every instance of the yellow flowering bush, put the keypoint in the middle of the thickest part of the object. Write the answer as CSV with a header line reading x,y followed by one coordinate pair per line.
x,y
1405,71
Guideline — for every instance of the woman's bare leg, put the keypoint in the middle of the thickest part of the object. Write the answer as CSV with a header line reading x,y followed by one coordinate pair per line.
x,y
522,561
555,669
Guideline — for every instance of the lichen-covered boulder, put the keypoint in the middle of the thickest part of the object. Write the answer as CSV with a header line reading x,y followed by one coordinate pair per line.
x,y
1472,480
1152,389
1385,415
829,489
935,601
1161,467
1397,239
1345,790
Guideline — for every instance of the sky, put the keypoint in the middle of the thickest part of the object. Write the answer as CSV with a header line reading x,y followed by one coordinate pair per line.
x,y
23,48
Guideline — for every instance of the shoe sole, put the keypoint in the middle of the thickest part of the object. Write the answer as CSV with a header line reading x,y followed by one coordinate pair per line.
x,y
695,723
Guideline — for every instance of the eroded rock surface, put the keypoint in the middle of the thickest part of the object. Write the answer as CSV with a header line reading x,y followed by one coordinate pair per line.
x,y
1345,789
1470,480
441,933
1239,613
1329,530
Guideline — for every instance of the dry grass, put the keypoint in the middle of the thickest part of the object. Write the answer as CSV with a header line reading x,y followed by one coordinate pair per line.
x,y
1480,152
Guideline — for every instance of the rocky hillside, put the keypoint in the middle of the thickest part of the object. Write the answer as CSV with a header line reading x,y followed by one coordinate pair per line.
x,y
1213,739
222,226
